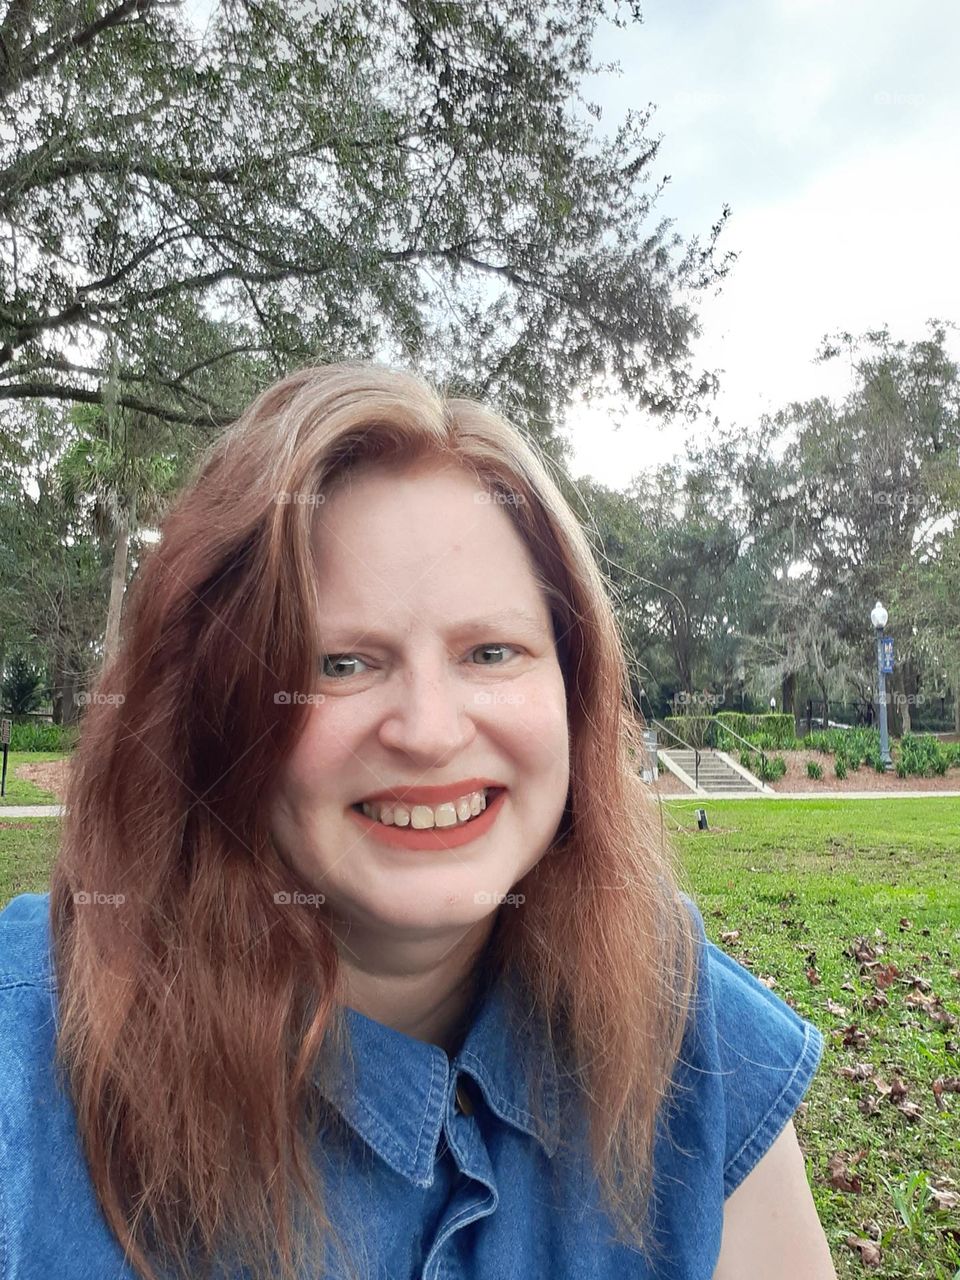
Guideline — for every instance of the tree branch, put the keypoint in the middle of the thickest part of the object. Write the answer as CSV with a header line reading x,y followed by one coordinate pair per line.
x,y
82,395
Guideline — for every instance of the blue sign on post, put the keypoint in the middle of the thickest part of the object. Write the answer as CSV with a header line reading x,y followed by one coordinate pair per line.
x,y
886,655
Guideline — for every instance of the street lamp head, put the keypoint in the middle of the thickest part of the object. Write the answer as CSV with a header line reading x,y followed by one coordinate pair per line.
x,y
879,615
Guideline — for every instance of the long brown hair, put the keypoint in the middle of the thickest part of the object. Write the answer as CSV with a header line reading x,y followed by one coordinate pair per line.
x,y
192,1012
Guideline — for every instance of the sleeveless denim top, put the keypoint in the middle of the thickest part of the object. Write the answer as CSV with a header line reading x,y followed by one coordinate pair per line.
x,y
423,1186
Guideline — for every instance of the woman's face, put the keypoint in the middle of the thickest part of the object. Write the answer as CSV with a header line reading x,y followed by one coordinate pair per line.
x,y
429,676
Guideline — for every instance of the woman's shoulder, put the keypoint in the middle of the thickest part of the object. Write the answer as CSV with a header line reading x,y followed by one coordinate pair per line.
x,y
747,1053
25,942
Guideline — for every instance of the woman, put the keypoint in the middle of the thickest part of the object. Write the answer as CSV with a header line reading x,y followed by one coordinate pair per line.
x,y
365,957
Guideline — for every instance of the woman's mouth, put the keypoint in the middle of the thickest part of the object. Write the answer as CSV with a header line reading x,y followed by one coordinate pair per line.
x,y
442,826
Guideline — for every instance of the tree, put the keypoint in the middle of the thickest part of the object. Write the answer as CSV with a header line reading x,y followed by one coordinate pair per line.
x,y
125,476
405,177
22,686
54,570
860,495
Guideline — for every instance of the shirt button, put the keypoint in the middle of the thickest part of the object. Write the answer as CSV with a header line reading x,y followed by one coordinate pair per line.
x,y
464,1105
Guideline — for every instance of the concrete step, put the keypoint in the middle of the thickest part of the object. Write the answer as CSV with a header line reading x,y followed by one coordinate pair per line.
x,y
715,776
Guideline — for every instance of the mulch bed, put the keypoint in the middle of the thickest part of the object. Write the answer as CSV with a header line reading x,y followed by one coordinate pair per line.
x,y
51,776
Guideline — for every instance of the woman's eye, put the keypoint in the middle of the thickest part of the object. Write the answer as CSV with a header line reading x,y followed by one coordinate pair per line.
x,y
332,664
335,660
487,648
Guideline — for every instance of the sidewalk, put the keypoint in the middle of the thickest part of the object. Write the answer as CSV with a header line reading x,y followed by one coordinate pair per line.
x,y
820,795
31,811
56,810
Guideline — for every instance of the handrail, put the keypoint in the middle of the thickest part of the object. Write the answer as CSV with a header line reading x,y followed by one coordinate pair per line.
x,y
686,746
751,746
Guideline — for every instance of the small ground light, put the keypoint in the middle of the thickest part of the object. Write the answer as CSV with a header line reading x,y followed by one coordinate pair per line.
x,y
702,820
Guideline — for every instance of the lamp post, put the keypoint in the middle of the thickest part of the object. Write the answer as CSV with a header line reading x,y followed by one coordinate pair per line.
x,y
878,616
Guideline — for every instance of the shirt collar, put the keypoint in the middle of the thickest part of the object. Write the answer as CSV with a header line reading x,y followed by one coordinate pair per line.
x,y
395,1091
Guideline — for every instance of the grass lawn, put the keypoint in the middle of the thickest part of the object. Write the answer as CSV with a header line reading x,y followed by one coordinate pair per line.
x,y
804,886
20,792
801,883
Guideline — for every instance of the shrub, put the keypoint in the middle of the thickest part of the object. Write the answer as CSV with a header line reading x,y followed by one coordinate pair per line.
x,y
778,728
37,735
770,768
840,767
814,770
921,755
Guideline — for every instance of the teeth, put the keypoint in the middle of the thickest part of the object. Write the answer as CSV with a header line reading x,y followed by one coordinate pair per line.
x,y
421,817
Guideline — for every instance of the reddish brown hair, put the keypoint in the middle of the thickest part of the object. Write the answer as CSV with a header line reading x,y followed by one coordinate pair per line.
x,y
192,1015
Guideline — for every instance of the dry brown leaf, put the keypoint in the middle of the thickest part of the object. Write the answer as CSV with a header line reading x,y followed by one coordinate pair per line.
x,y
884,974
945,1084
874,1002
840,1177
853,1037
869,1252
861,1071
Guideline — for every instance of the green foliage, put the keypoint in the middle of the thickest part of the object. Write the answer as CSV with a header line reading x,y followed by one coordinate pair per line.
x,y
770,768
840,766
23,686
421,180
772,730
923,755
814,770
37,735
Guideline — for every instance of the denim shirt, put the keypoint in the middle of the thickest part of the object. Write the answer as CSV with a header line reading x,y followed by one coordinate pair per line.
x,y
421,1185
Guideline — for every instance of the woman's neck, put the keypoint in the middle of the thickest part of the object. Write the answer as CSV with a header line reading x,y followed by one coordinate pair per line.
x,y
424,989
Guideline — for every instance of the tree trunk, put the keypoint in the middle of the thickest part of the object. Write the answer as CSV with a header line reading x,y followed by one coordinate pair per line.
x,y
788,693
899,684
118,582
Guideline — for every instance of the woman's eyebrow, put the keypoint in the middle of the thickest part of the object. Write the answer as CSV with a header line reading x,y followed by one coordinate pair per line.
x,y
491,622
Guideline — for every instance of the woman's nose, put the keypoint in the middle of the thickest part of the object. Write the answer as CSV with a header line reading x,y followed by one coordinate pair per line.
x,y
429,715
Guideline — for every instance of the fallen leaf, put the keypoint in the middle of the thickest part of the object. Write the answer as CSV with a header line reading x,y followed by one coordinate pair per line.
x,y
943,1195
905,923
767,981
860,949
869,1252
862,1071
874,1002
813,977
898,1089
731,935
840,1177
909,1109
853,1037
884,974
945,1084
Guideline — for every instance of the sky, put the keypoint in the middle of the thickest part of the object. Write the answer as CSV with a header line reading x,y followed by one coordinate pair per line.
x,y
831,129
